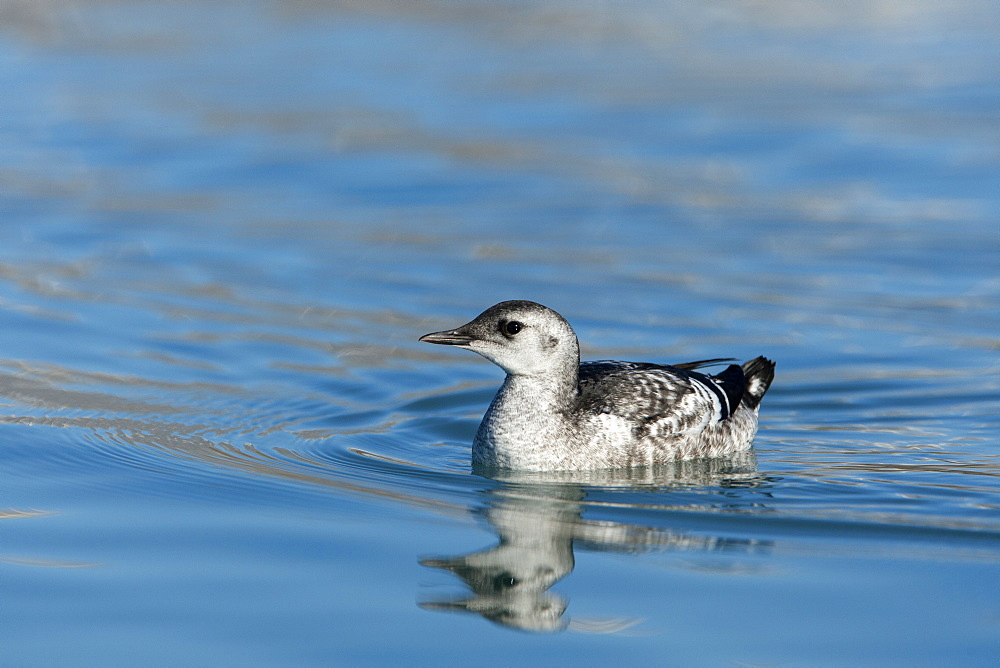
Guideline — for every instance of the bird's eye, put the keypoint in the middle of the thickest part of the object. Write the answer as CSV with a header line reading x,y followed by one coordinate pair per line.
x,y
511,327
504,581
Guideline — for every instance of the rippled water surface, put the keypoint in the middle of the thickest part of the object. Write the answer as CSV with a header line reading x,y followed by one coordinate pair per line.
x,y
226,224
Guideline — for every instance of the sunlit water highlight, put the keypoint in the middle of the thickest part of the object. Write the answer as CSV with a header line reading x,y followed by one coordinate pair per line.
x,y
221,443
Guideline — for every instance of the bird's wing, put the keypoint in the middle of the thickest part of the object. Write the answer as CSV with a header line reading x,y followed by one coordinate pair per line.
x,y
691,366
659,399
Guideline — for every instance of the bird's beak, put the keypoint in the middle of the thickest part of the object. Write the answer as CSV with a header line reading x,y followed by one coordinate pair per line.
x,y
450,337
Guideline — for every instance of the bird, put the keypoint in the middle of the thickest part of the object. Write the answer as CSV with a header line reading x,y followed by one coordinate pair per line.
x,y
554,413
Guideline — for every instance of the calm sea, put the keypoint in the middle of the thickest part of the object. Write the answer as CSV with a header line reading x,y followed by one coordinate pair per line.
x,y
224,225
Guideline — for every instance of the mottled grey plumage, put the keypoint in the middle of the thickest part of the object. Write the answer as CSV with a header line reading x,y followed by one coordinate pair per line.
x,y
554,413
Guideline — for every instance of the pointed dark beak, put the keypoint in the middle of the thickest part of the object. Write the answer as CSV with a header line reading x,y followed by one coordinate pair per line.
x,y
444,563
451,337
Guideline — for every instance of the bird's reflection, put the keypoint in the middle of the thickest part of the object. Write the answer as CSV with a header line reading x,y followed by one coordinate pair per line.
x,y
539,521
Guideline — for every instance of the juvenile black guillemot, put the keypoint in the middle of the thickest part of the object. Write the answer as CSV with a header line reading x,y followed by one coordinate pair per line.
x,y
555,413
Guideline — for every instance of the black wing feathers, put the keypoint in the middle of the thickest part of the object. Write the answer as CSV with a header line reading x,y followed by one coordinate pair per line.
x,y
614,387
691,366
729,386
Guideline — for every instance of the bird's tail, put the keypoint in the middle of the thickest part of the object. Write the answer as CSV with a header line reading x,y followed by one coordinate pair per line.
x,y
759,373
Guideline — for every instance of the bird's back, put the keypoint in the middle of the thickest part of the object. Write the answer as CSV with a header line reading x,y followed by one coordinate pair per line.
x,y
644,391
661,402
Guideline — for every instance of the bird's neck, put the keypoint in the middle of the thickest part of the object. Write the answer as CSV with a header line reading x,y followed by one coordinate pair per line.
x,y
556,389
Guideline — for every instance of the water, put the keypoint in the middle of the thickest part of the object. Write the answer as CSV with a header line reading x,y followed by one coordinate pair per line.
x,y
225,227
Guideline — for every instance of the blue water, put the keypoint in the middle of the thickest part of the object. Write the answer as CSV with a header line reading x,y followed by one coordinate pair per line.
x,y
225,225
